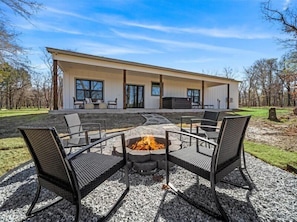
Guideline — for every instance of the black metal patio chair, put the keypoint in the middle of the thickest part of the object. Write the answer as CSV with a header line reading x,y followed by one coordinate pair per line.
x,y
207,123
73,176
92,131
211,164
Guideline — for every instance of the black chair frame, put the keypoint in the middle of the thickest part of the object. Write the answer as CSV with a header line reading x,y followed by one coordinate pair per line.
x,y
69,175
217,161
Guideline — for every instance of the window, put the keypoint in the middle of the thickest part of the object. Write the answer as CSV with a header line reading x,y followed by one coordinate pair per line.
x,y
155,89
194,95
89,89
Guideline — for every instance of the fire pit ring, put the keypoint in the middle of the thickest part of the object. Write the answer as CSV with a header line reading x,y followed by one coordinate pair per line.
x,y
146,161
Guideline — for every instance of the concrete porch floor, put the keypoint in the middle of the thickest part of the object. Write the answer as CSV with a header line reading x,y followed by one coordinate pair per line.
x,y
133,110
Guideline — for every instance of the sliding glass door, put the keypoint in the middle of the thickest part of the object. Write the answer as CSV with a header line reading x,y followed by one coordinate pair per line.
x,y
135,96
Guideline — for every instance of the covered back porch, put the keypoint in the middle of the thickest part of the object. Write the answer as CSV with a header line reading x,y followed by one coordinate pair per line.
x,y
137,85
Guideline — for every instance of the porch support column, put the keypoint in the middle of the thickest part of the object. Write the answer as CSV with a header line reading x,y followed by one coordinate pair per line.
x,y
161,93
228,96
202,95
55,84
124,90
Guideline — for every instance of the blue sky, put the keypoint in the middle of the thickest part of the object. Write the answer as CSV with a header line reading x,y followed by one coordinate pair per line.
x,y
194,35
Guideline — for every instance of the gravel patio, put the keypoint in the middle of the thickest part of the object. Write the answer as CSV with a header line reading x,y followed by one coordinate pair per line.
x,y
274,197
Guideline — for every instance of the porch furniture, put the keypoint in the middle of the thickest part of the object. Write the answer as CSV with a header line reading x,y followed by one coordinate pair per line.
x,y
176,103
76,129
103,106
77,103
89,103
112,104
74,176
211,165
196,105
210,106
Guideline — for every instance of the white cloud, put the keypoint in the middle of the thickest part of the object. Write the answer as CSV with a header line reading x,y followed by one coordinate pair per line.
x,y
41,26
67,13
107,49
286,4
181,44
198,60
235,32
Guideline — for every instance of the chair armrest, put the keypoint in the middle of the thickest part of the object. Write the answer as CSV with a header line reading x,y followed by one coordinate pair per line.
x,y
182,118
190,135
201,119
207,126
88,147
98,123
70,134
187,117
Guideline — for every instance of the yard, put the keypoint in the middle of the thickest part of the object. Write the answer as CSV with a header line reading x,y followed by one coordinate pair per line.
x,y
274,142
273,199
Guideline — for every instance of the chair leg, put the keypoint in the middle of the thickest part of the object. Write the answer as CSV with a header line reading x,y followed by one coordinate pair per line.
x,y
219,206
243,158
191,202
34,201
245,179
187,199
31,211
124,193
78,211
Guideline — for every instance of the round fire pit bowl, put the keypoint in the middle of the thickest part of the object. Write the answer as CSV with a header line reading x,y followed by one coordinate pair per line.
x,y
146,161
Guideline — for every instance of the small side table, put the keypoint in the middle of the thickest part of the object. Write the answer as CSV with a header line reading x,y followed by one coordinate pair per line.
x,y
96,105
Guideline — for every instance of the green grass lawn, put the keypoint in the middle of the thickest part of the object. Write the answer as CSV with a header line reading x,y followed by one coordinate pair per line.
x,y
263,112
271,155
21,112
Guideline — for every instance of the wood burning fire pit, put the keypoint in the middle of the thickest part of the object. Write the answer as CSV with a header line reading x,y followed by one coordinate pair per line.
x,y
147,154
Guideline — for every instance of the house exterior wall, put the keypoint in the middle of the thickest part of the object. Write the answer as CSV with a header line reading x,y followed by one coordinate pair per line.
x,y
173,87
112,85
213,94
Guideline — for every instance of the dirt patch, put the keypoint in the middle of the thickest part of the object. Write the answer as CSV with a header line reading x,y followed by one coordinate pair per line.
x,y
281,134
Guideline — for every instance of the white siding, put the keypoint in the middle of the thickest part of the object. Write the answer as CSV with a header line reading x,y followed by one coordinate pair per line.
x,y
213,94
173,87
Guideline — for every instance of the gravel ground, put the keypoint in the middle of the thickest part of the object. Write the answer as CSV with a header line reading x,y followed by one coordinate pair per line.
x,y
274,197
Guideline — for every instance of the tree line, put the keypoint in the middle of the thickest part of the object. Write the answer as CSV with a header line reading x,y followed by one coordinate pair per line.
x,y
270,82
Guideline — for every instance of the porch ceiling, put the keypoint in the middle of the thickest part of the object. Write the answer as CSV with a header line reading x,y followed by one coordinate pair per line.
x,y
68,66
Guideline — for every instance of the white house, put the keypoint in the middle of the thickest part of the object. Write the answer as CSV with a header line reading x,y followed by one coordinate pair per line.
x,y
137,85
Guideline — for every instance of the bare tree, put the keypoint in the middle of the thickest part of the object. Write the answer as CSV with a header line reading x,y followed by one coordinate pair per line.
x,y
9,48
286,17
288,77
229,73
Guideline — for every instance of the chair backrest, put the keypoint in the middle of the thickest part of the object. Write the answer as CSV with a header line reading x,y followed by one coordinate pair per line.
x,y
211,115
230,141
73,124
48,155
